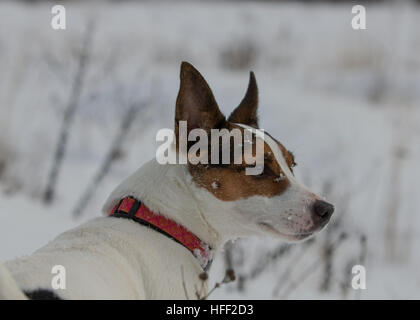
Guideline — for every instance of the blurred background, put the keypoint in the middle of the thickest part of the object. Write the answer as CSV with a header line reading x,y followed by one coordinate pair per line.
x,y
80,108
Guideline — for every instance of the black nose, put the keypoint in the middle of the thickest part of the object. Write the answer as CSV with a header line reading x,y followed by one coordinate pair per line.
x,y
323,209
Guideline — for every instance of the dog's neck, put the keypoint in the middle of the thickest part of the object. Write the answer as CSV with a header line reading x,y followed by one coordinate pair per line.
x,y
169,190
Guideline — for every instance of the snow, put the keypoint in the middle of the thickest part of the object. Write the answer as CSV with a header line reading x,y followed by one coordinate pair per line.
x,y
279,178
344,101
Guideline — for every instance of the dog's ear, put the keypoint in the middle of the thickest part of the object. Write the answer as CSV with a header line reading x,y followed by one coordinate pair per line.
x,y
246,112
195,102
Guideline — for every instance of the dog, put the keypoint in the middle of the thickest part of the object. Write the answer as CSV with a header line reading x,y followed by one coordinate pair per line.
x,y
165,223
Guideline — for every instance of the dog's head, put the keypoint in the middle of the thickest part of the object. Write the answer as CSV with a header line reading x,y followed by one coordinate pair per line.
x,y
272,201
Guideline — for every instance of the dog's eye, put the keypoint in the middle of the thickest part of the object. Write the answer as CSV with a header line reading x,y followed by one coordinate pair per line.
x,y
267,172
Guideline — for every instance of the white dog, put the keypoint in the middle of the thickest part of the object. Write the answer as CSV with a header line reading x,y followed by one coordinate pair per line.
x,y
166,222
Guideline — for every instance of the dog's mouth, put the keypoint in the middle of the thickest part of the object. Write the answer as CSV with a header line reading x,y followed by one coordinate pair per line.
x,y
291,237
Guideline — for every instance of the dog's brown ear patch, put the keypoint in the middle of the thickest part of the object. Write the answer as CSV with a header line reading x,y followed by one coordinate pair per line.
x,y
246,112
195,102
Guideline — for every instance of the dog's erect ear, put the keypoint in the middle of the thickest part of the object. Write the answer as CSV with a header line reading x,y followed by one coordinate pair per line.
x,y
195,102
246,112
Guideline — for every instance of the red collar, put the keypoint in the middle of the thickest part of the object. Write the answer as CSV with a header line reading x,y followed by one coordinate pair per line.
x,y
131,208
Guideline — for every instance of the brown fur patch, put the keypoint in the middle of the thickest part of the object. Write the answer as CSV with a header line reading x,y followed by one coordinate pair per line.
x,y
229,182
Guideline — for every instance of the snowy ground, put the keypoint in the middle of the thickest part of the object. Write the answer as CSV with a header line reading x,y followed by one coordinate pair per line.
x,y
346,102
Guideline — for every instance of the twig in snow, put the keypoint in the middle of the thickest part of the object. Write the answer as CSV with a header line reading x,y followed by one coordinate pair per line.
x,y
292,265
328,248
228,255
269,258
229,277
310,270
183,283
112,154
362,259
69,113
200,295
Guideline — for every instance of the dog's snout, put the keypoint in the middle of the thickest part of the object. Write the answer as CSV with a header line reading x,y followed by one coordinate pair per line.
x,y
323,209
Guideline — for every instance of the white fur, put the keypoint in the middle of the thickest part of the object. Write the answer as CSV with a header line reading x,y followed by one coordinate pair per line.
x,y
288,214
8,287
109,258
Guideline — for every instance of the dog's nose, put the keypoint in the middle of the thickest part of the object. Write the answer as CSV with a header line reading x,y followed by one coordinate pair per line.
x,y
323,209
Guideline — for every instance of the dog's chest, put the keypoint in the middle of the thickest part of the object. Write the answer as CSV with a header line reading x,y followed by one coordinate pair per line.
x,y
110,258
